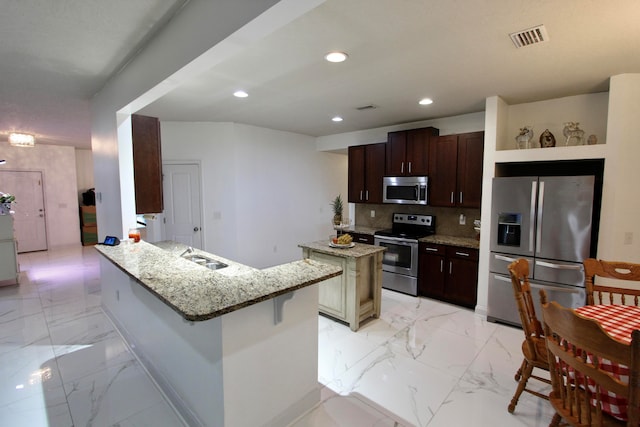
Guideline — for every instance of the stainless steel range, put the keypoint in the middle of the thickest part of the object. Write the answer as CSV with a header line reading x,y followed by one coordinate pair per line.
x,y
400,260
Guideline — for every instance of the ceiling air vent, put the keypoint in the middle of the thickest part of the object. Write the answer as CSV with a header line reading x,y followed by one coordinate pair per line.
x,y
366,107
530,36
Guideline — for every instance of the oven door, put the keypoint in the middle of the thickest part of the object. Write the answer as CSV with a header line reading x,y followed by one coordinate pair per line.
x,y
401,256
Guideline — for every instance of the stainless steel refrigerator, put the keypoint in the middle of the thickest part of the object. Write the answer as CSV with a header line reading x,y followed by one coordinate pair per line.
x,y
548,221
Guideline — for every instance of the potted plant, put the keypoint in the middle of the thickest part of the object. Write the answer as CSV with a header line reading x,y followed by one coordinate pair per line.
x,y
336,205
5,203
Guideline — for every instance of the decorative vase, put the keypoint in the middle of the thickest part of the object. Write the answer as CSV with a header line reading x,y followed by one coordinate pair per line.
x,y
547,139
524,138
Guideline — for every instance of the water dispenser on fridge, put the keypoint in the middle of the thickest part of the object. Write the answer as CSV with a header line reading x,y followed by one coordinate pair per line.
x,y
509,229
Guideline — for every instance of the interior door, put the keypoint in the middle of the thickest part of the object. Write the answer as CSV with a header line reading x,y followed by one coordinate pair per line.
x,y
29,218
182,211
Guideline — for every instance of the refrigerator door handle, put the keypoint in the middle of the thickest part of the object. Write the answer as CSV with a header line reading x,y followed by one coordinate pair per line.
x,y
540,208
577,267
532,217
566,289
502,278
504,258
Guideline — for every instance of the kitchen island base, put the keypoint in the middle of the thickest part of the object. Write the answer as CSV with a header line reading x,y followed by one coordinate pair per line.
x,y
238,369
356,294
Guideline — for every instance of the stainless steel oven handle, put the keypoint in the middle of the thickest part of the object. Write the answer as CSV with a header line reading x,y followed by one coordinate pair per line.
x,y
396,239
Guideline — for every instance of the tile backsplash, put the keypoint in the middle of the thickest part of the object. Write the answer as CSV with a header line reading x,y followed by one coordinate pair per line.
x,y
447,219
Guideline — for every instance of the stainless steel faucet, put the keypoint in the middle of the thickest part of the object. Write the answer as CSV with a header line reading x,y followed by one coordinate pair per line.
x,y
187,251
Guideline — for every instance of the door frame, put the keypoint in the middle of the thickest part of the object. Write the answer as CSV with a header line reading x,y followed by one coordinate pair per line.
x,y
44,202
200,189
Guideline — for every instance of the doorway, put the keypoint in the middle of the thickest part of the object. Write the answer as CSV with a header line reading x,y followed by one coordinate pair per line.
x,y
29,219
182,206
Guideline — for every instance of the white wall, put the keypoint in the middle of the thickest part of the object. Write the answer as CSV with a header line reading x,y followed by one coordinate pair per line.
x,y
264,191
58,166
620,201
201,34
84,171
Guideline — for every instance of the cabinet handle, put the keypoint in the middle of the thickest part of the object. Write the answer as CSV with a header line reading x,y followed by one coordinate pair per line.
x,y
461,197
462,253
360,194
367,195
432,249
409,167
450,267
441,265
402,168
452,197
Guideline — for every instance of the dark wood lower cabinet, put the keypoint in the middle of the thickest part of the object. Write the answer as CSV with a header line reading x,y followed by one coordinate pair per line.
x,y
362,238
448,273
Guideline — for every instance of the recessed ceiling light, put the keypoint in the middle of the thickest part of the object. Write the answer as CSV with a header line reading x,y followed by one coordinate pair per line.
x,y
240,94
22,139
335,56
337,119
425,101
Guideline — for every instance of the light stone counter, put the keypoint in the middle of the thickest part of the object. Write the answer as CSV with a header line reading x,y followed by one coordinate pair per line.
x,y
357,251
463,242
196,292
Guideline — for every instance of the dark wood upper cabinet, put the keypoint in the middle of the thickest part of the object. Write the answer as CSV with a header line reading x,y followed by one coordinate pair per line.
x,y
366,170
443,157
455,170
407,152
470,160
147,164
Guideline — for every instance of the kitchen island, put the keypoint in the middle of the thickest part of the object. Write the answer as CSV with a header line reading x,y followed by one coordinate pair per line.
x,y
356,294
236,346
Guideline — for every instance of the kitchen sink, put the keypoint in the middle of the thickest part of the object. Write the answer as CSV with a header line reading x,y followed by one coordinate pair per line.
x,y
211,264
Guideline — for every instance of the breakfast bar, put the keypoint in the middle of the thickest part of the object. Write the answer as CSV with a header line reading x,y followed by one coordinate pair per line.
x,y
229,345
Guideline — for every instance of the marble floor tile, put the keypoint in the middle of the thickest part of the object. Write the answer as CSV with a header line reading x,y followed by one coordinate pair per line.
x,y
422,363
111,395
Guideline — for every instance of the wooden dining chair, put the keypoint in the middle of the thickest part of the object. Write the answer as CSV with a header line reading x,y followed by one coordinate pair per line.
x,y
533,347
577,379
604,294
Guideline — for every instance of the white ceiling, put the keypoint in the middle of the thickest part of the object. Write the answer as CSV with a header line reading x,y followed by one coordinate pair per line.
x,y
56,54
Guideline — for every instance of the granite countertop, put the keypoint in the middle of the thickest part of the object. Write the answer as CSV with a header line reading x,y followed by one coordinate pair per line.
x,y
357,251
198,293
463,242
361,230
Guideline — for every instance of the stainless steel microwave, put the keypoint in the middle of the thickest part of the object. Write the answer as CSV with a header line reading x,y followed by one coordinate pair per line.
x,y
405,189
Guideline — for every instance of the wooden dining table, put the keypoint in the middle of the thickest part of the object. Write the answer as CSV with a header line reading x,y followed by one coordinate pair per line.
x,y
618,321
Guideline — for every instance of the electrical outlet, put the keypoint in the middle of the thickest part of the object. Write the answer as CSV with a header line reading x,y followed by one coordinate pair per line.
x,y
373,213
463,219
628,238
